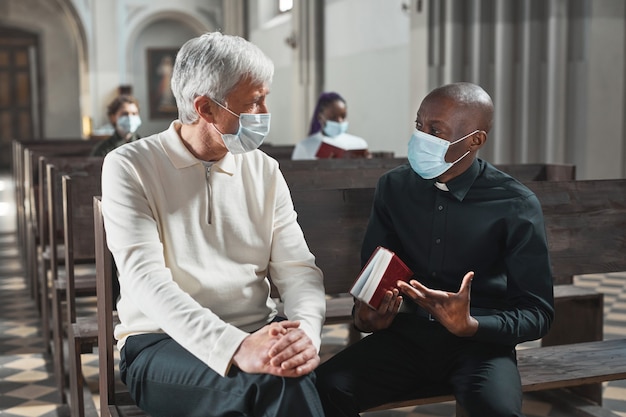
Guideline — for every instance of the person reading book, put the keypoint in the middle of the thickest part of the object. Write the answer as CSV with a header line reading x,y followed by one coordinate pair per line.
x,y
475,239
328,137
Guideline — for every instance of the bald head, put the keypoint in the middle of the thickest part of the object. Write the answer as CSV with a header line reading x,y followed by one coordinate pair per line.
x,y
471,99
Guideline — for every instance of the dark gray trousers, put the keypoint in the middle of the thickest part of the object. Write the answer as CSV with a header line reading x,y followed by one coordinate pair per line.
x,y
418,358
166,380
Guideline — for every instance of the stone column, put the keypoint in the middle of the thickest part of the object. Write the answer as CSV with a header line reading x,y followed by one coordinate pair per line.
x,y
235,18
308,43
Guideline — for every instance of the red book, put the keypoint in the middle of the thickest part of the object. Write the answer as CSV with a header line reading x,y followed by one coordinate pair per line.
x,y
381,273
326,150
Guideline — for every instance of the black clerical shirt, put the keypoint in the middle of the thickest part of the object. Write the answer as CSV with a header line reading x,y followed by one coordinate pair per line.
x,y
488,223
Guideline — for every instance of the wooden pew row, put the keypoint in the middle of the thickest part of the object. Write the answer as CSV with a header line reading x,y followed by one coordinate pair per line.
x,y
31,179
358,173
25,171
78,229
558,368
57,325
70,268
18,166
522,171
277,151
36,218
541,368
51,241
283,152
571,209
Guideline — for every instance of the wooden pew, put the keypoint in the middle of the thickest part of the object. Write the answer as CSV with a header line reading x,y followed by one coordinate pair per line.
x,y
283,152
364,173
77,247
336,243
48,236
78,229
19,170
26,155
555,368
277,151
539,171
114,401
571,208
357,173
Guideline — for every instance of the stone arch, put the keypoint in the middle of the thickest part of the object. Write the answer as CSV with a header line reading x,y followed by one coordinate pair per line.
x,y
165,28
182,17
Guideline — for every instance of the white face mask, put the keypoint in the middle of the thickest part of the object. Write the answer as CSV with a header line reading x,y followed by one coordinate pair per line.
x,y
332,128
128,124
253,128
427,154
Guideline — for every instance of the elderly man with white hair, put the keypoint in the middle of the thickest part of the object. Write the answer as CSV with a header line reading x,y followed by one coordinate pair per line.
x,y
197,219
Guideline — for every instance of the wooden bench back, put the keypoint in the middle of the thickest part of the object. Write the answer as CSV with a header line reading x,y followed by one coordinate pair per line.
x,y
539,172
69,221
49,202
52,192
360,173
28,181
277,151
21,164
79,186
113,401
104,291
585,224
334,222
29,176
339,164
336,173
284,152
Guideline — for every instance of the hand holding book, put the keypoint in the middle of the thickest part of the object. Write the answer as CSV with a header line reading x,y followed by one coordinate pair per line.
x,y
381,273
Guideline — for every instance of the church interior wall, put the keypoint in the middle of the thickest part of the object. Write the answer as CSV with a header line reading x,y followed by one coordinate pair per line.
x,y
88,48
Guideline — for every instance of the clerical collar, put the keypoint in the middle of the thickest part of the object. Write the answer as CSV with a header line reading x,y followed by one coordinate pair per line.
x,y
442,186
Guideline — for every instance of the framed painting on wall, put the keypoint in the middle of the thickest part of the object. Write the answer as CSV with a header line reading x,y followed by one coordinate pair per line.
x,y
160,64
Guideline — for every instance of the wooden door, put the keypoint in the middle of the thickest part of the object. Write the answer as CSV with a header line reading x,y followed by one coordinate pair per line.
x,y
19,112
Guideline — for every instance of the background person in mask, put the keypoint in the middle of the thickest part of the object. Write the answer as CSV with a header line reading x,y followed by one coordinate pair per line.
x,y
466,230
123,114
329,124
196,218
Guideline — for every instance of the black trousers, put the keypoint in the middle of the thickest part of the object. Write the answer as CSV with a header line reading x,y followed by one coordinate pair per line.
x,y
166,380
418,358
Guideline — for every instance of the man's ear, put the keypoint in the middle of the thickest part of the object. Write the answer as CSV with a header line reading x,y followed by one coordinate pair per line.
x,y
204,107
478,140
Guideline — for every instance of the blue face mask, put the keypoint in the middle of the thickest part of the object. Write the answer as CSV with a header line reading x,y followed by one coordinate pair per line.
x,y
127,124
427,154
253,128
332,128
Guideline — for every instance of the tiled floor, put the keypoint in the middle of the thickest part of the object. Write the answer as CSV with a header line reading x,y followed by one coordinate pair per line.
x,y
27,387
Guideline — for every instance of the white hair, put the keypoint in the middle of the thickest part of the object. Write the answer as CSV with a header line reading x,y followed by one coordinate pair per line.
x,y
211,65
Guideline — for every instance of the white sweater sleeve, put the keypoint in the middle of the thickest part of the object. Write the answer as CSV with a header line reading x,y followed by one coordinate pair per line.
x,y
293,269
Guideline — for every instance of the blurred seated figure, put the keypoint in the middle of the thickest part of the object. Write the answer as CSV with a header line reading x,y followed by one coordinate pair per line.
x,y
123,114
328,137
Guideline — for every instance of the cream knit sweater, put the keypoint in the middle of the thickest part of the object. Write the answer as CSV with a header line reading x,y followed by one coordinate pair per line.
x,y
194,246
